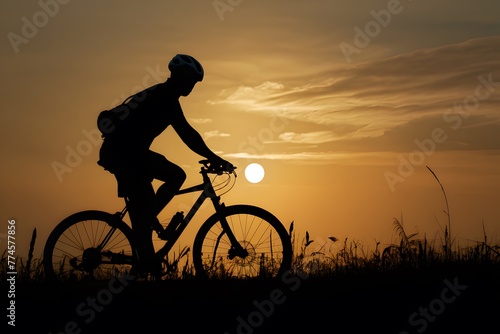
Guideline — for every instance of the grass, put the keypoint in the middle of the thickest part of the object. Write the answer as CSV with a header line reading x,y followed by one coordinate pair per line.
x,y
334,258
383,287
409,255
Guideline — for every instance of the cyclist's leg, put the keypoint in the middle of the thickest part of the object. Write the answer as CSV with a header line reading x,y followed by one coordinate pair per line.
x,y
142,212
172,175
130,165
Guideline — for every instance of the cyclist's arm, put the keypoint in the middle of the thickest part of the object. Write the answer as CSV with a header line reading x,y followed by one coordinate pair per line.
x,y
191,137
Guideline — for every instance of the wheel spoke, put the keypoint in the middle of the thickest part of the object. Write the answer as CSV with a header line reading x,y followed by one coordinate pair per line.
x,y
264,239
85,245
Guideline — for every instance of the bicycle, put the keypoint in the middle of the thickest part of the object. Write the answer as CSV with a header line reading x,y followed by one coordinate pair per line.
x,y
242,241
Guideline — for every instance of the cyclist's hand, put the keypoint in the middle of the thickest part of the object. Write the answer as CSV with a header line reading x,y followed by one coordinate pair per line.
x,y
228,167
223,165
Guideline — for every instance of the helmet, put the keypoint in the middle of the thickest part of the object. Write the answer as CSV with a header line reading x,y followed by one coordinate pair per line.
x,y
184,60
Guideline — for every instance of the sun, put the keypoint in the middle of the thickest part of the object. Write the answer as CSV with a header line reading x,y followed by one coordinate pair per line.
x,y
254,173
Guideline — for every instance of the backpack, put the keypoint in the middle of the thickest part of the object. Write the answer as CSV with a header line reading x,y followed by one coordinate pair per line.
x,y
109,121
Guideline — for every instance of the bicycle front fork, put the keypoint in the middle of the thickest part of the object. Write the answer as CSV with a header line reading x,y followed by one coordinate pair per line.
x,y
236,249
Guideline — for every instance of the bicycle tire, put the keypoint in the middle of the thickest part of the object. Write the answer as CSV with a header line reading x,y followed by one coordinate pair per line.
x,y
71,249
260,233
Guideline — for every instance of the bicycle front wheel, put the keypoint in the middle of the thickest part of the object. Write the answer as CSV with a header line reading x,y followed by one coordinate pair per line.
x,y
267,249
89,244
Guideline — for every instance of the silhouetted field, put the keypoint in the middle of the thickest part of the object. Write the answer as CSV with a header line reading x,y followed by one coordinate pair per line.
x,y
408,287
371,303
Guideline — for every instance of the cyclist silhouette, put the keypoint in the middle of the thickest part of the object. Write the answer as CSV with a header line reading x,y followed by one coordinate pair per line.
x,y
127,154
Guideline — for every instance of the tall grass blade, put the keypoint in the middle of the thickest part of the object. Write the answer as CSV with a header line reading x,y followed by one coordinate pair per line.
x,y
448,239
27,273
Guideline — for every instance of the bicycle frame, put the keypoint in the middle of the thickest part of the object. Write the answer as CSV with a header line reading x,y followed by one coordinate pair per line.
x,y
207,191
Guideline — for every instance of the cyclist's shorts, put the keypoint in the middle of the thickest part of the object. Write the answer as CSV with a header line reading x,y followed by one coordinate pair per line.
x,y
130,168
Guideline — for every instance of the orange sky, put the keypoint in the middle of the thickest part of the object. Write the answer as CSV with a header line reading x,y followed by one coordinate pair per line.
x,y
344,104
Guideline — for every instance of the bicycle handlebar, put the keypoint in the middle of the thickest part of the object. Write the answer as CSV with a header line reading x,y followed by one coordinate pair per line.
x,y
211,168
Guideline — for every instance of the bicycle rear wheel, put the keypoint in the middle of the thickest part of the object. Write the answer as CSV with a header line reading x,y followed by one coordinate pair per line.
x,y
89,244
266,243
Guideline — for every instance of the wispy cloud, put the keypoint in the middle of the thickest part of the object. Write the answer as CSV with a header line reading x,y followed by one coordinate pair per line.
x,y
368,100
464,159
317,137
251,97
341,158
200,120
215,133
